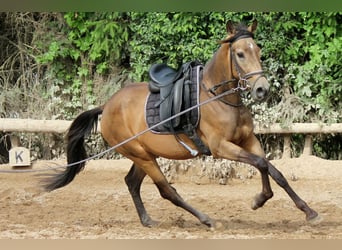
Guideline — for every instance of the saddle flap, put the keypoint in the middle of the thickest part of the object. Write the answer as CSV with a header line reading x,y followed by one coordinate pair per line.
x,y
173,104
177,101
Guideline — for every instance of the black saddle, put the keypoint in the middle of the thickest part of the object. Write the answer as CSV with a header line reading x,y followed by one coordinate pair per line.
x,y
173,89
162,75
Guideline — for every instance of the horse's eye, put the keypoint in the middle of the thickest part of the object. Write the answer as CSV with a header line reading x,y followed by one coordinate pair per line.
x,y
240,55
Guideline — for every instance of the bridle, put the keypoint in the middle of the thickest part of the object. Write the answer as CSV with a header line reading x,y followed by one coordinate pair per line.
x,y
242,81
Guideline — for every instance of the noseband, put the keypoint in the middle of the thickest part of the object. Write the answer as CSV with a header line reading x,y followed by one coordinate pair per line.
x,y
242,82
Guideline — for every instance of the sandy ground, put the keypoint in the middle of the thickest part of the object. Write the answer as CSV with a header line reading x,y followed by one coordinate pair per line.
x,y
97,205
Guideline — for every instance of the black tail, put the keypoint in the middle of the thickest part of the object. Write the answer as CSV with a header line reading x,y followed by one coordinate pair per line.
x,y
82,126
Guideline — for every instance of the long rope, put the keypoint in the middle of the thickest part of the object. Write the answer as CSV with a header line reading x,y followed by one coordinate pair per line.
x,y
231,91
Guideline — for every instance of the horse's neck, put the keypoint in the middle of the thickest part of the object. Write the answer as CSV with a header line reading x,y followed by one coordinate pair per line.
x,y
218,70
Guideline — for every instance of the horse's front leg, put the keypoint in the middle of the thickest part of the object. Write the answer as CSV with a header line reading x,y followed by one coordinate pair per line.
x,y
233,152
253,146
253,155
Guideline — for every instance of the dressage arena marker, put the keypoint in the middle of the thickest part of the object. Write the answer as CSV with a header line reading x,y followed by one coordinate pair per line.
x,y
19,157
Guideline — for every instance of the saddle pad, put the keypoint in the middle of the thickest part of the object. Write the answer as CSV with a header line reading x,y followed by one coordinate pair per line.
x,y
152,115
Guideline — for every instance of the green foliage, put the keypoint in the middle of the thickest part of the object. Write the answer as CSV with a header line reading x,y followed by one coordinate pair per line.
x,y
308,48
89,44
319,76
301,53
175,38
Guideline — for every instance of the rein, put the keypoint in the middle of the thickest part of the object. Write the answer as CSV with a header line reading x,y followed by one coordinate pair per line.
x,y
215,97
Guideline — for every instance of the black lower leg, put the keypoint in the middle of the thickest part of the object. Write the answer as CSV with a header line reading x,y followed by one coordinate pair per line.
x,y
169,193
133,180
281,181
266,192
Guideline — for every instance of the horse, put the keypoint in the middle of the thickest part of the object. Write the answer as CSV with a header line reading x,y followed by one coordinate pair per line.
x,y
225,127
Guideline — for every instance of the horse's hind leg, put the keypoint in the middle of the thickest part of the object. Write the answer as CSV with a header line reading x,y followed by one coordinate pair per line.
x,y
133,180
152,169
170,193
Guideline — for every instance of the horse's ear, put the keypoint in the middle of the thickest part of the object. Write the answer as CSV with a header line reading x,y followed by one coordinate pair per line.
x,y
253,26
230,27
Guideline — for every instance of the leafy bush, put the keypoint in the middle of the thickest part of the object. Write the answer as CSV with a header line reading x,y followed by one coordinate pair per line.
x,y
174,38
88,44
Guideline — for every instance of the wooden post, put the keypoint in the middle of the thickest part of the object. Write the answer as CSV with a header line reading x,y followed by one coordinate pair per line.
x,y
308,145
287,146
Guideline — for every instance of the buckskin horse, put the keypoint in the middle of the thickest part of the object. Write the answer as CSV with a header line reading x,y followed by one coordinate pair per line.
x,y
225,127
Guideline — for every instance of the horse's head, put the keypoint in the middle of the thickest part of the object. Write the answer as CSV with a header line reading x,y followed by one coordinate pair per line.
x,y
245,60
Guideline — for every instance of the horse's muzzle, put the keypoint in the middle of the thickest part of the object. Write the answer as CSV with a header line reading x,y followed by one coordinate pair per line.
x,y
260,89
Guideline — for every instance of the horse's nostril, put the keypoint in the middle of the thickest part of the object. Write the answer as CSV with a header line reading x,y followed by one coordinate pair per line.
x,y
261,93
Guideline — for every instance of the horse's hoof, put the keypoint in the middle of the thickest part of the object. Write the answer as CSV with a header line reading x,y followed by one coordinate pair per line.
x,y
150,223
213,226
315,220
256,202
209,222
260,199
254,205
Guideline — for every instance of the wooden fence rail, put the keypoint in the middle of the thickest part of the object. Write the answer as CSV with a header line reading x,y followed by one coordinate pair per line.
x,y
34,126
61,126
